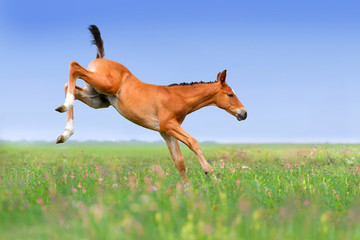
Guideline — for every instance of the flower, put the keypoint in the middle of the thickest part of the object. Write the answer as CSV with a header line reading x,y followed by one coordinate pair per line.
x,y
100,179
238,181
233,170
73,189
152,188
40,201
306,203
79,185
72,174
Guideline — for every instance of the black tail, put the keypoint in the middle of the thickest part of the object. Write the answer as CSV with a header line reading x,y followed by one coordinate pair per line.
x,y
97,41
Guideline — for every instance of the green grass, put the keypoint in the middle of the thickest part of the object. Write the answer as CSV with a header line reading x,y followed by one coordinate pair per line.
x,y
124,191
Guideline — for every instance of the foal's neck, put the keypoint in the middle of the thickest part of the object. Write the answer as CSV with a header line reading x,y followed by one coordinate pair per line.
x,y
200,95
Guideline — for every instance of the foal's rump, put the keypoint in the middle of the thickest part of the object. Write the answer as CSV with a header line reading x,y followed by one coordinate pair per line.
x,y
106,76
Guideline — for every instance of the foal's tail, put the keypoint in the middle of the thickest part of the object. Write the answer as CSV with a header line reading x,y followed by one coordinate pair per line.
x,y
97,41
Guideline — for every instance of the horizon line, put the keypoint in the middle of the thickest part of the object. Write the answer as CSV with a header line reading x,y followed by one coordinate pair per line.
x,y
162,141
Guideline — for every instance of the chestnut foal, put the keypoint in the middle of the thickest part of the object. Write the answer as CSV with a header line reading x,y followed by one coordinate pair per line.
x,y
159,108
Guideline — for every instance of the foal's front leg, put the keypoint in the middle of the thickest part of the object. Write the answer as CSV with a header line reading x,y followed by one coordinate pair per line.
x,y
176,155
174,129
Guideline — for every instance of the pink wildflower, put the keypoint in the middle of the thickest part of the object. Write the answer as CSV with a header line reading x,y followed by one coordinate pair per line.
x,y
233,170
79,185
238,181
72,174
40,201
159,171
100,179
222,164
306,203
148,179
96,168
152,188
165,174
39,165
0,179
73,189
211,170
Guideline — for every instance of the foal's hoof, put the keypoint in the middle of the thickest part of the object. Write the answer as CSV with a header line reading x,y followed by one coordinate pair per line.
x,y
61,109
60,139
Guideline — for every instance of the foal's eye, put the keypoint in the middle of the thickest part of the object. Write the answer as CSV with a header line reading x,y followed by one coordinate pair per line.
x,y
231,95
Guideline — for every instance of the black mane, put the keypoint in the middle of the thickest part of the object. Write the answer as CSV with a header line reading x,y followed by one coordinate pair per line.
x,y
187,84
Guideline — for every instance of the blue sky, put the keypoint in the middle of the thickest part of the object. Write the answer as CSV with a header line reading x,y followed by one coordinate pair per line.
x,y
293,64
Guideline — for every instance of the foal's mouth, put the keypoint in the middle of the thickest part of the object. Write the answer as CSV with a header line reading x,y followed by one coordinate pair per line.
x,y
241,115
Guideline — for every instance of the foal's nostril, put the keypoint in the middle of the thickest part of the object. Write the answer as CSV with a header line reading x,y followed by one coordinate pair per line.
x,y
244,115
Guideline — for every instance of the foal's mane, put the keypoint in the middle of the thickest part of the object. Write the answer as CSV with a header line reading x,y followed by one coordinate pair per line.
x,y
191,83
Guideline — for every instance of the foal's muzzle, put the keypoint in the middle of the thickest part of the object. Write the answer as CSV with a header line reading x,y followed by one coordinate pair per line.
x,y
242,114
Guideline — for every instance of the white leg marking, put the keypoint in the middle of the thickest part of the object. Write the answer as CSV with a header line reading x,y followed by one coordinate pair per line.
x,y
69,129
69,101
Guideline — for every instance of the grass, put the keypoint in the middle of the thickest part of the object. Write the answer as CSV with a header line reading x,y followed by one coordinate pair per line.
x,y
127,191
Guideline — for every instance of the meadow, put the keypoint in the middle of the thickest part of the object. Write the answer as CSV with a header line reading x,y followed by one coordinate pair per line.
x,y
133,191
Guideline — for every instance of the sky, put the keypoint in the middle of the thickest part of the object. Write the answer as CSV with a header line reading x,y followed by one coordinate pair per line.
x,y
293,64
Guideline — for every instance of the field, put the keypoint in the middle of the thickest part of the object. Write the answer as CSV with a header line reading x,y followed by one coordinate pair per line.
x,y
133,191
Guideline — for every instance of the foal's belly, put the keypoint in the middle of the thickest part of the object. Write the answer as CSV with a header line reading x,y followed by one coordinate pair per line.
x,y
145,117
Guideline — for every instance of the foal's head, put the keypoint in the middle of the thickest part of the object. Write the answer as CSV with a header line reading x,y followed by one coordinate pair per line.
x,y
227,100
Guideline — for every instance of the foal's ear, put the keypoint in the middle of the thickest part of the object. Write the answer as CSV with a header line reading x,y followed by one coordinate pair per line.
x,y
218,77
221,77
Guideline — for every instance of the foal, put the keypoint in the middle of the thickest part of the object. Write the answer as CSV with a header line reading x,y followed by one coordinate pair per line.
x,y
159,108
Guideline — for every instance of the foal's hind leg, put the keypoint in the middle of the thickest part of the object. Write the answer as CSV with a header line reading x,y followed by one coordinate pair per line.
x,y
69,128
101,83
90,97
